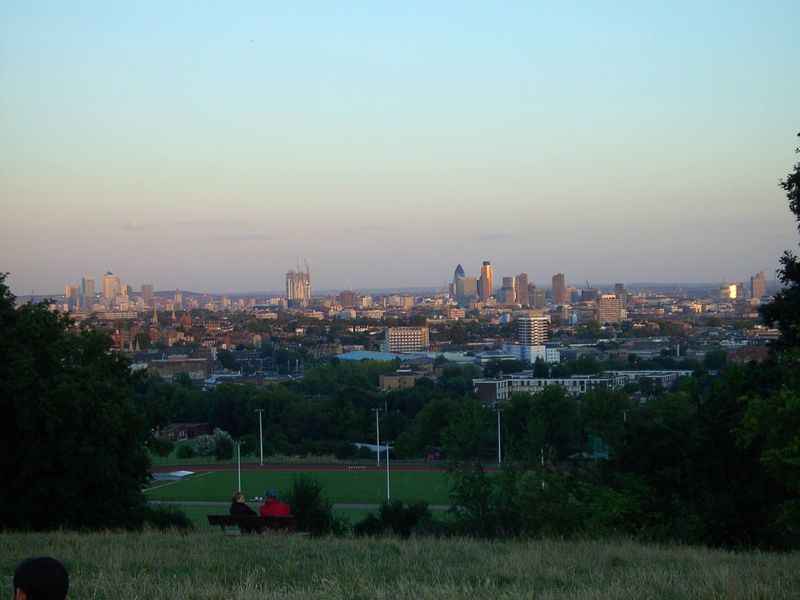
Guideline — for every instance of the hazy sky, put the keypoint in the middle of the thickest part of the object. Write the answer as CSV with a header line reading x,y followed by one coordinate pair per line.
x,y
207,145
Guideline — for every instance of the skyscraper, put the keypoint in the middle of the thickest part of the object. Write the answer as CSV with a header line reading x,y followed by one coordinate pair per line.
x,y
486,281
610,309
560,289
758,285
521,285
112,286
298,287
508,294
458,285
621,293
87,289
147,293
533,331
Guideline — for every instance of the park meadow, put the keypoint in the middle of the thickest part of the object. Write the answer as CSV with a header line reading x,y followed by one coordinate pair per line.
x,y
207,565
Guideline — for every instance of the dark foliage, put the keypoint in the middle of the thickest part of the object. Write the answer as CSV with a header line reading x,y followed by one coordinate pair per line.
x,y
314,513
166,518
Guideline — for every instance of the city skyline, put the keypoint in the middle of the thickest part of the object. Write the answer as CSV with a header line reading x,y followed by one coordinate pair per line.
x,y
202,145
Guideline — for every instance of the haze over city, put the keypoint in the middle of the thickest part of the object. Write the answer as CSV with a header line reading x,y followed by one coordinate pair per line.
x,y
207,147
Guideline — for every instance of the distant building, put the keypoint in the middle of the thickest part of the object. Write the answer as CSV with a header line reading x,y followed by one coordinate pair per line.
x,y
537,296
486,281
298,287
589,295
88,290
621,293
560,295
610,309
758,286
196,368
532,330
508,293
728,291
399,380
147,293
400,340
348,299
521,286
112,286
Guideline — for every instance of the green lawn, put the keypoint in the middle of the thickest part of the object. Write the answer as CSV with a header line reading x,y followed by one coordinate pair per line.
x,y
207,565
198,515
367,487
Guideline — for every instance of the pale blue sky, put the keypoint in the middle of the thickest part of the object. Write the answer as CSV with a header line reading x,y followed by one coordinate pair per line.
x,y
207,145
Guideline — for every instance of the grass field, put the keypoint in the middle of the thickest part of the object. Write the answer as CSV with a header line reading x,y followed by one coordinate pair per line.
x,y
199,514
340,486
211,566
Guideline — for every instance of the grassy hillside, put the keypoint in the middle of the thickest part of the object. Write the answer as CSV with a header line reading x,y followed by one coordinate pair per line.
x,y
208,565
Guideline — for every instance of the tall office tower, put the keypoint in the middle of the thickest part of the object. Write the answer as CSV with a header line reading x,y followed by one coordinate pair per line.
x,y
298,287
728,291
458,283
621,293
147,293
589,295
177,300
469,290
533,331
758,285
508,293
406,339
537,296
560,295
348,299
68,291
610,309
740,290
486,282
521,285
112,286
87,290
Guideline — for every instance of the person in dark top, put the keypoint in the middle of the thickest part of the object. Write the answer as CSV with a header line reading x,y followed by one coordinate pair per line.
x,y
239,506
40,578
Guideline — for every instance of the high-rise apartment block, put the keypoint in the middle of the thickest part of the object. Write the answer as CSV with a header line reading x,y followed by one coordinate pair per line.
x,y
298,287
533,330
521,285
486,281
621,293
537,296
406,339
758,286
348,299
610,309
560,295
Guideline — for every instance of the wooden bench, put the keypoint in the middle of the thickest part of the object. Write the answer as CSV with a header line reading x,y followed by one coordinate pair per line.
x,y
253,523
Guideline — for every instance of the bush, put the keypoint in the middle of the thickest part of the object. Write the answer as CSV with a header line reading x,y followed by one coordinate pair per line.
x,y
204,445
185,450
397,518
160,446
223,445
165,518
314,513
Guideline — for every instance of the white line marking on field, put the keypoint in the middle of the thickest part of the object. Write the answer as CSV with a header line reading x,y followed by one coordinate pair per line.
x,y
158,487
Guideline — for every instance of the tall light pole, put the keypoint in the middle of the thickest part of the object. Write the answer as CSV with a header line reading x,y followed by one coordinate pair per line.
x,y
239,463
260,436
388,494
377,412
499,445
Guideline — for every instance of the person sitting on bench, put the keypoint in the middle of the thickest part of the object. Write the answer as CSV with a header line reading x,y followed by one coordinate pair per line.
x,y
273,507
239,506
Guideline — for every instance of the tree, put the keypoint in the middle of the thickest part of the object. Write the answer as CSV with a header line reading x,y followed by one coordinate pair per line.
x,y
72,440
784,310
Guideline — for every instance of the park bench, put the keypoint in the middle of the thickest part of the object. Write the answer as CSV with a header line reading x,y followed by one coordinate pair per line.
x,y
252,523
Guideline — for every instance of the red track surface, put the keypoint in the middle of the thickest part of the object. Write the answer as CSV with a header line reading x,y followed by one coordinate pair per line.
x,y
302,468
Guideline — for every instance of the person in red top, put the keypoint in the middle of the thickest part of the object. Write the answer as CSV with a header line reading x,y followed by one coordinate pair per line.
x,y
273,507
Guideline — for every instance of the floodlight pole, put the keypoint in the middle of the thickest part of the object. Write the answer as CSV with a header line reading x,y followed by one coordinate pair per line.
x,y
377,412
239,463
388,495
499,445
260,436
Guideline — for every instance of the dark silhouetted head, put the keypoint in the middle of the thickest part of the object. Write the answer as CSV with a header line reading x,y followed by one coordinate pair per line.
x,y
40,578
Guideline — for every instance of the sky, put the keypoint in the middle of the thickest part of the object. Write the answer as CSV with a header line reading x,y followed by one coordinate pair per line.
x,y
208,145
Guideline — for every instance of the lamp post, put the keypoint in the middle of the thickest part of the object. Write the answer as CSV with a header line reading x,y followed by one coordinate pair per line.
x,y
388,494
499,443
377,412
260,436
239,463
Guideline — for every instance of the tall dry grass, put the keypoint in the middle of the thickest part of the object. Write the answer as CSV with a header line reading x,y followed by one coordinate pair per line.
x,y
209,565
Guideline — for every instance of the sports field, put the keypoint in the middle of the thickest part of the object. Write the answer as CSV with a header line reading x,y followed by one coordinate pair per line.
x,y
356,487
